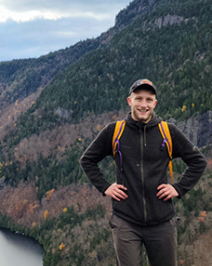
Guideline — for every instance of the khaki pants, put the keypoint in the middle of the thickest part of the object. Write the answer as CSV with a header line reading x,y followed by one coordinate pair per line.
x,y
159,240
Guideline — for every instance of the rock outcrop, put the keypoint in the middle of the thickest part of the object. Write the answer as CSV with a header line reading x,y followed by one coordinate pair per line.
x,y
197,128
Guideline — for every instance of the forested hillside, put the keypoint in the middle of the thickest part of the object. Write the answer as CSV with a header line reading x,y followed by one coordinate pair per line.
x,y
53,106
172,47
20,78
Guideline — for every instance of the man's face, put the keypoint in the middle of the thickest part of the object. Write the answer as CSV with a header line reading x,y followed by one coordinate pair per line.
x,y
142,103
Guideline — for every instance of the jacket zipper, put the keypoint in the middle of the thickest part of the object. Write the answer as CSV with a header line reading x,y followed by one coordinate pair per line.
x,y
145,136
143,142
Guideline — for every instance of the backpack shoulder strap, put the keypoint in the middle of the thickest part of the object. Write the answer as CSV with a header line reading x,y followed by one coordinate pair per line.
x,y
164,129
119,128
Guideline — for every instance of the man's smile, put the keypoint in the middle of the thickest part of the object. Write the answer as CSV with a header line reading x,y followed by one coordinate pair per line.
x,y
143,111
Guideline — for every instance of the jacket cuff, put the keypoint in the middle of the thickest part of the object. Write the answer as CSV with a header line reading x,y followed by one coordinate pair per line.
x,y
178,191
103,193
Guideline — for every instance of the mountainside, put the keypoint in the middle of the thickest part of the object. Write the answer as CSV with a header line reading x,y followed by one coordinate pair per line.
x,y
174,50
20,78
52,107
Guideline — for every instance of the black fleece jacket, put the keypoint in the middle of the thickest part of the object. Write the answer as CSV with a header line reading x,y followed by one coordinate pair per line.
x,y
144,168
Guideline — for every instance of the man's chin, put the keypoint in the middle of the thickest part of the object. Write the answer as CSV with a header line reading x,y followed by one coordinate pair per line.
x,y
141,117
144,118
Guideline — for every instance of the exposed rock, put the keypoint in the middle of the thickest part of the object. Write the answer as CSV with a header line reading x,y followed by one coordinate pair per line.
x,y
168,20
197,128
135,9
63,113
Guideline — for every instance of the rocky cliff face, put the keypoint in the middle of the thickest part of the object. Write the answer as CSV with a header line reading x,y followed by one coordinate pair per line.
x,y
197,128
135,9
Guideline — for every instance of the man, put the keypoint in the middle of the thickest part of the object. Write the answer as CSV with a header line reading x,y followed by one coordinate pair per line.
x,y
142,198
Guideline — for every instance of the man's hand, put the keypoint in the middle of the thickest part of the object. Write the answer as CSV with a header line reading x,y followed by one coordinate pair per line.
x,y
166,192
116,191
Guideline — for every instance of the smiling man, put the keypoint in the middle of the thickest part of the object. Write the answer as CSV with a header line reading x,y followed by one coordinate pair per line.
x,y
143,101
143,213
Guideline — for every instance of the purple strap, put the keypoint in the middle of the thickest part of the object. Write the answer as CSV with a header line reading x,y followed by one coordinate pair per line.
x,y
120,154
118,146
166,139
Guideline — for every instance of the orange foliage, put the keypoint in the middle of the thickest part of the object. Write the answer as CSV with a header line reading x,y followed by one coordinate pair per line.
x,y
32,207
98,127
49,194
61,246
65,210
46,213
202,216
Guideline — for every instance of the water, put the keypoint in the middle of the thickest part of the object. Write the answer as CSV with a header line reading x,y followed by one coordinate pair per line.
x,y
19,250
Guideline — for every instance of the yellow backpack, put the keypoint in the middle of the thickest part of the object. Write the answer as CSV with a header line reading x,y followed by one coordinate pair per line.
x,y
164,130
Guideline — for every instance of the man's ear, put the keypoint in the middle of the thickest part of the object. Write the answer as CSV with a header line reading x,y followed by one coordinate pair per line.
x,y
155,103
129,101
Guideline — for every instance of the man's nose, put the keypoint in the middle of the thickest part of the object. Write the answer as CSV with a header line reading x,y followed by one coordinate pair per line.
x,y
143,103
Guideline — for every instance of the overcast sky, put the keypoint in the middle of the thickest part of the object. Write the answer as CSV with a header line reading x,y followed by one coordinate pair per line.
x,y
29,28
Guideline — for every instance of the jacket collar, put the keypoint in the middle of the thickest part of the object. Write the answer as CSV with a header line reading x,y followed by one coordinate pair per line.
x,y
140,125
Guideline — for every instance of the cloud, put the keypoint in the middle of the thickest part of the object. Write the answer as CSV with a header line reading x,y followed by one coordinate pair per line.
x,y
25,10
29,29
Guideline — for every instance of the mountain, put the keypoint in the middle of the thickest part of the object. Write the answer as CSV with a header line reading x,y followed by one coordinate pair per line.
x,y
20,78
52,107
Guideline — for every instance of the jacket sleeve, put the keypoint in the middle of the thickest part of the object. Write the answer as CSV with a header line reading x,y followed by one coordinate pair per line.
x,y
190,154
98,150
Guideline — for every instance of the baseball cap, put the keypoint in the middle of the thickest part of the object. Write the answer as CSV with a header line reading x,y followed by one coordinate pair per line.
x,y
145,84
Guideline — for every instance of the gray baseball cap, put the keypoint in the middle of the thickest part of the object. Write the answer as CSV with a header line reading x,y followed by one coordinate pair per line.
x,y
143,84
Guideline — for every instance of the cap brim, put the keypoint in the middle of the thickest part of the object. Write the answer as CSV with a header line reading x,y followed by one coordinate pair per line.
x,y
145,86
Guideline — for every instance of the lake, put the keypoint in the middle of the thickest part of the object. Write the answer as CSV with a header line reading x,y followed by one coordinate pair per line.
x,y
19,250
